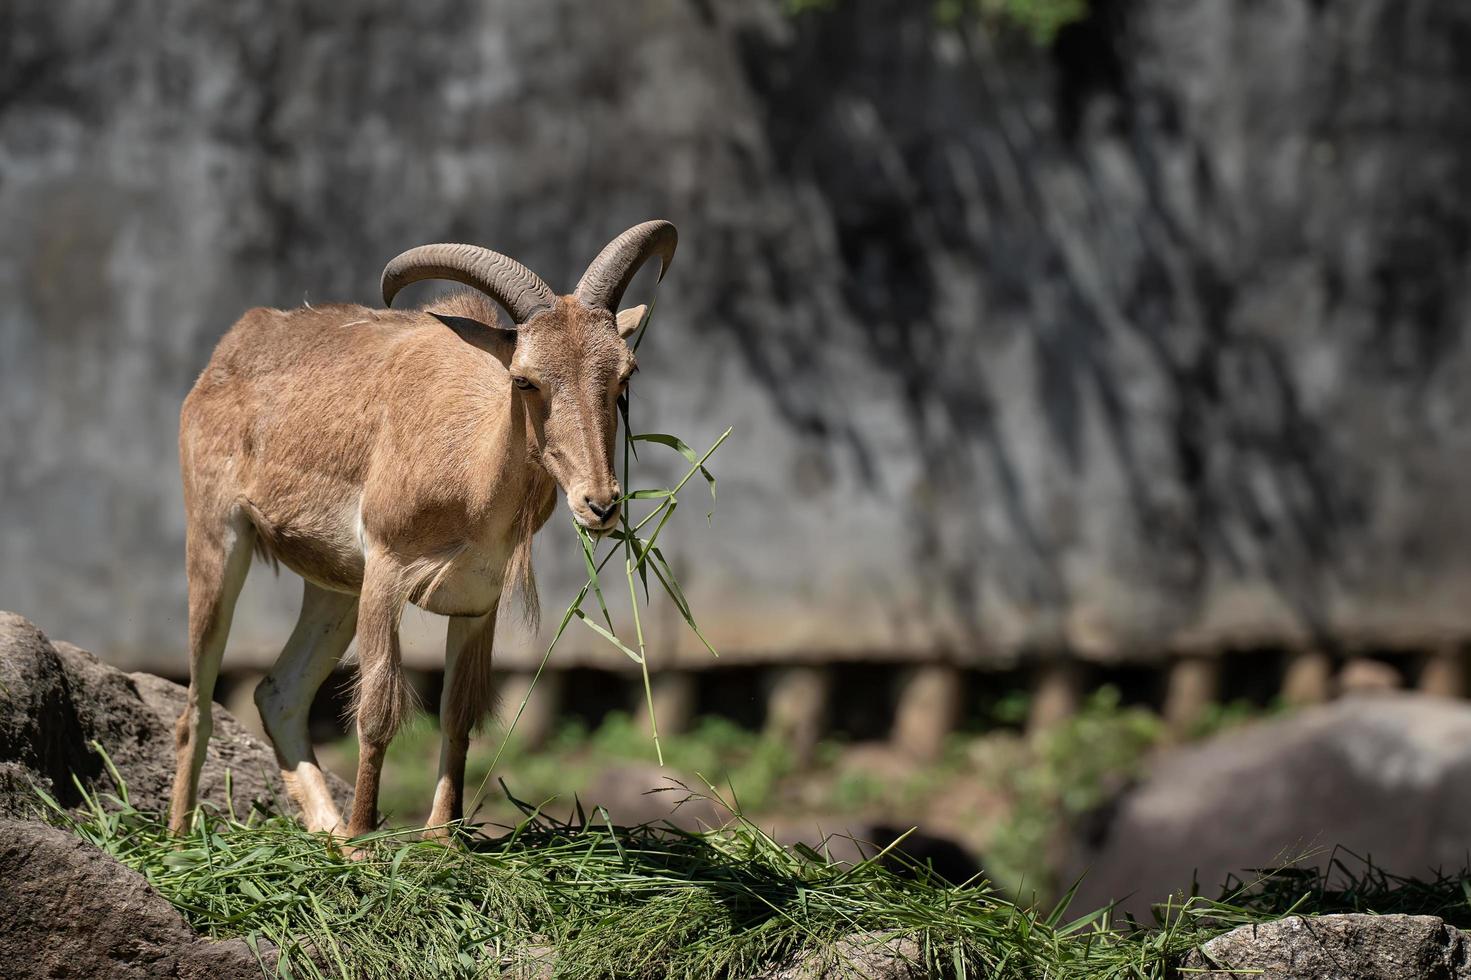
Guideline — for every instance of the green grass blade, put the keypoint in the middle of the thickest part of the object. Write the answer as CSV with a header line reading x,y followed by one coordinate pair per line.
x,y
588,551
610,637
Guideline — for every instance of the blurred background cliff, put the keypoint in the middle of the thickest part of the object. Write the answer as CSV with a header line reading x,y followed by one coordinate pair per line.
x,y
1117,345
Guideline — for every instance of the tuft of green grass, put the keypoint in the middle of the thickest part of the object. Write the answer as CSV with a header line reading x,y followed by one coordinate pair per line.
x,y
1349,882
585,899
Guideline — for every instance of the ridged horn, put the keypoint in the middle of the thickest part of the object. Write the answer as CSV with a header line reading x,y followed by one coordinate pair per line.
x,y
498,276
610,273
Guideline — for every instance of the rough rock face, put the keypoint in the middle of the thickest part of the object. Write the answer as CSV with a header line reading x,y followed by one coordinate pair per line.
x,y
56,699
1387,776
1149,341
69,910
1338,947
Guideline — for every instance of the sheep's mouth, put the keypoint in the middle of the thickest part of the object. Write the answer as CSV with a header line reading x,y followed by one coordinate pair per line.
x,y
597,528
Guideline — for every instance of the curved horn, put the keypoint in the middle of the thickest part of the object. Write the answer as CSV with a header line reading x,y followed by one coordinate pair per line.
x,y
498,276
610,273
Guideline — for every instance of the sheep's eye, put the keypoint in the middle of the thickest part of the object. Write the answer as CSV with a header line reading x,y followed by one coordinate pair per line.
x,y
523,383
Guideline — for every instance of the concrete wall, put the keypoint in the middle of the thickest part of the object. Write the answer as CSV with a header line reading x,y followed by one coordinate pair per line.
x,y
1150,342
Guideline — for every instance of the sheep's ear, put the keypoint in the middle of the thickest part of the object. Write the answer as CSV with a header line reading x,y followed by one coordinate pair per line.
x,y
497,339
629,319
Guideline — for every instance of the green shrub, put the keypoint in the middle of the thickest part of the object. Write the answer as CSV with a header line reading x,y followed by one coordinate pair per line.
x,y
1063,773
1039,20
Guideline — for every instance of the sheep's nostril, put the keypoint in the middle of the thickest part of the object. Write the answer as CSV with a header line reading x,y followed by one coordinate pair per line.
x,y
601,510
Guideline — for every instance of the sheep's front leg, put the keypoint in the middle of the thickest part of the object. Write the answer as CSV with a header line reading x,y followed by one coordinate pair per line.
x,y
466,700
383,694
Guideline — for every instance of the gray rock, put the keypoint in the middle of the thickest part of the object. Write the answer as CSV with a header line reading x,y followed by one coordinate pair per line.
x,y
57,699
1387,776
67,909
1338,947
41,739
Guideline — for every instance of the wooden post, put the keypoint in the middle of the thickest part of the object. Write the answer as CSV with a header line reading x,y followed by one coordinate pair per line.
x,y
1443,672
675,694
1057,690
1308,678
931,698
1366,675
1194,685
797,707
543,704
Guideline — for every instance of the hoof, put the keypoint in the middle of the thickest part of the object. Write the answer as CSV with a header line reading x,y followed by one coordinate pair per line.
x,y
355,852
443,833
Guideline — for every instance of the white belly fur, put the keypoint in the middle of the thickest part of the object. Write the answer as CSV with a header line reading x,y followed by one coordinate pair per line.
x,y
465,583
464,580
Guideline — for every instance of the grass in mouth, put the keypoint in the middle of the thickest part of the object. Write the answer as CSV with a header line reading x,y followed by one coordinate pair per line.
x,y
637,540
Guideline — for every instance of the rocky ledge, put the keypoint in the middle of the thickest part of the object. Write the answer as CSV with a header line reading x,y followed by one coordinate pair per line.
x,y
1337,947
67,909
57,699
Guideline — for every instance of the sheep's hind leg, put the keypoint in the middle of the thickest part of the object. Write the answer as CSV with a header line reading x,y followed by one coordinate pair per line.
x,y
322,634
217,559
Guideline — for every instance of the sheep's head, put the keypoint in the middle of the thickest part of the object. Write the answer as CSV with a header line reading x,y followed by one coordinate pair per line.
x,y
570,362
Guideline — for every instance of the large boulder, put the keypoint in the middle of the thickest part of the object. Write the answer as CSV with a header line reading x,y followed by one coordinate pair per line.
x,y
1387,777
57,699
1337,947
69,910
